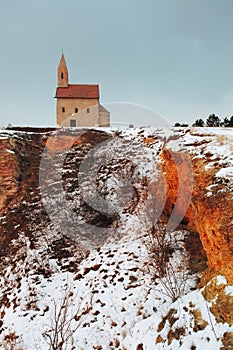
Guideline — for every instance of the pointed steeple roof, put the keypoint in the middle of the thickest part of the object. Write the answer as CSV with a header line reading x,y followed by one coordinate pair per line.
x,y
62,62
62,73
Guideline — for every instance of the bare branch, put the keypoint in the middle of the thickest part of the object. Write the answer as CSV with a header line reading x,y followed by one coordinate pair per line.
x,y
65,322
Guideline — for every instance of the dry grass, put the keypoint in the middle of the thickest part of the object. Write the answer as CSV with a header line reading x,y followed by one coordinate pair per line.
x,y
225,140
12,341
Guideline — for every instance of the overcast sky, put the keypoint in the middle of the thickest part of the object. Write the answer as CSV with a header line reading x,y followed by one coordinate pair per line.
x,y
172,56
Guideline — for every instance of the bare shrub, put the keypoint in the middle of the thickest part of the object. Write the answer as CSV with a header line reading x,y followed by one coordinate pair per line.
x,y
65,322
161,245
159,248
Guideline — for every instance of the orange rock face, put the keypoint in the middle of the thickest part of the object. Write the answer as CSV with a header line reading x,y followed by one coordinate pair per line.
x,y
19,161
64,141
149,140
10,173
209,214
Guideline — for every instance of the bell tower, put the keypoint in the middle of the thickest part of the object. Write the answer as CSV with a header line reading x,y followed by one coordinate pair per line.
x,y
78,105
62,73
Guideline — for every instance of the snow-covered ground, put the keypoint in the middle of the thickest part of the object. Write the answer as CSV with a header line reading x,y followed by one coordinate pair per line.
x,y
125,307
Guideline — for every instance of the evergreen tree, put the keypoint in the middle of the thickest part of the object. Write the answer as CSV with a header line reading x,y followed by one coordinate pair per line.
x,y
213,121
226,122
199,122
231,122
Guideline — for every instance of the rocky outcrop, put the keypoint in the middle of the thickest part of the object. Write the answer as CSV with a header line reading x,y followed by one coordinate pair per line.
x,y
10,173
210,212
21,207
219,294
20,195
191,165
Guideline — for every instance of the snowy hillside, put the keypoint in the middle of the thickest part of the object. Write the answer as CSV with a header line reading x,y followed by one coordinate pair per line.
x,y
90,267
125,307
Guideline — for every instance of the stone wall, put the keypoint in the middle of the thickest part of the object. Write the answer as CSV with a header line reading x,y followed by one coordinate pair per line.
x,y
83,118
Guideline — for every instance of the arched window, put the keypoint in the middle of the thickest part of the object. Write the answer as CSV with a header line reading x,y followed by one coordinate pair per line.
x,y
62,75
63,109
76,110
88,110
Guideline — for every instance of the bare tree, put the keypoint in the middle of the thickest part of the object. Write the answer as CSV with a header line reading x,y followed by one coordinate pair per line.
x,y
65,322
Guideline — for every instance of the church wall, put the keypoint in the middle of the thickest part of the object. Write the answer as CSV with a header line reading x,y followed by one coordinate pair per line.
x,y
104,119
82,117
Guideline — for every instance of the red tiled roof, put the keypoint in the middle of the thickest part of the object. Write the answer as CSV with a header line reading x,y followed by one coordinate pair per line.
x,y
78,91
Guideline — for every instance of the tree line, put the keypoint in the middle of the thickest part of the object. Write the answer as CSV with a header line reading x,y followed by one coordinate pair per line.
x,y
212,121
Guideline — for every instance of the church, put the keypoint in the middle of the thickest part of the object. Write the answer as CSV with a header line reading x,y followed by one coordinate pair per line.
x,y
78,105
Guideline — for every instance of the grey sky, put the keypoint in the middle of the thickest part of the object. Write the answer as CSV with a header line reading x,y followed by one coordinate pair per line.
x,y
173,56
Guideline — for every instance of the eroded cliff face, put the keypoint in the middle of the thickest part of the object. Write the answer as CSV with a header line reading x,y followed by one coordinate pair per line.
x,y
189,159
23,217
210,212
20,195
209,215
10,173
